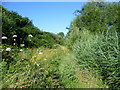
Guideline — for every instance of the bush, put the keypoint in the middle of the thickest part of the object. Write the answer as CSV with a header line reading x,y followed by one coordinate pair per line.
x,y
100,52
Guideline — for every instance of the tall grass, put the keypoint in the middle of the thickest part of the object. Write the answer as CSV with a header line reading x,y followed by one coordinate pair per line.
x,y
73,77
29,69
100,53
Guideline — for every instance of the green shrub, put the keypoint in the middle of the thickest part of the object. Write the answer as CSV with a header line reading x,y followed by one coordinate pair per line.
x,y
100,52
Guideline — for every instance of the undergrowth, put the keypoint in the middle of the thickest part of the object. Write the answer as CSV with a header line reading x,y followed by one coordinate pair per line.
x,y
45,68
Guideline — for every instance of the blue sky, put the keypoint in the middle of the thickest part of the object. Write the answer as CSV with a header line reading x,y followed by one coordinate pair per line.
x,y
57,0
47,16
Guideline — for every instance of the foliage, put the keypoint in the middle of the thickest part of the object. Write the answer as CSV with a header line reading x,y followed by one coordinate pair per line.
x,y
61,34
100,53
95,17
30,70
14,24
45,68
94,38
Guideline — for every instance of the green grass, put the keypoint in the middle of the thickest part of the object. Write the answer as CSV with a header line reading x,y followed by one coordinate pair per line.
x,y
99,53
55,68
73,77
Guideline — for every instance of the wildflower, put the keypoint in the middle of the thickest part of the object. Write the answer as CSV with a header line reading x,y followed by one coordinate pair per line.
x,y
21,50
14,35
39,58
30,35
4,37
45,59
46,71
8,49
14,39
40,53
37,64
13,43
22,45
32,59
22,59
41,69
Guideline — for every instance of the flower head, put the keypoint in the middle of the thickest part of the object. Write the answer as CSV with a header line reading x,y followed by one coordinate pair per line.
x,y
40,53
33,58
4,37
14,35
22,45
37,64
21,50
14,39
46,71
22,59
8,49
30,35
45,59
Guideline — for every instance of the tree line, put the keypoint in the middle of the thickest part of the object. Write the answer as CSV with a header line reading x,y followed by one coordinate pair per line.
x,y
26,33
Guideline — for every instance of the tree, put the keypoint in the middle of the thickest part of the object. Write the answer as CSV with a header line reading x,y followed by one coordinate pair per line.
x,y
15,24
61,34
96,17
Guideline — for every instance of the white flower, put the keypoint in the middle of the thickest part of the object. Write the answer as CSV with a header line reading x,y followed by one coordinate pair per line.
x,y
8,49
4,37
30,35
37,64
22,45
14,35
14,39
40,53
22,59
21,50
13,43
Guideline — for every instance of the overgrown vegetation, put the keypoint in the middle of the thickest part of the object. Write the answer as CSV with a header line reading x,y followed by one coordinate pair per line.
x,y
99,53
87,57
94,38
32,69
27,33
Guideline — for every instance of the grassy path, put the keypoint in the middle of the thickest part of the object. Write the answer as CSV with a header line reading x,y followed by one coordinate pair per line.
x,y
73,77
48,68
64,63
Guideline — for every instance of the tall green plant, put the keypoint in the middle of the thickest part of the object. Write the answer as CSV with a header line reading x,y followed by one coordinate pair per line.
x,y
100,53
